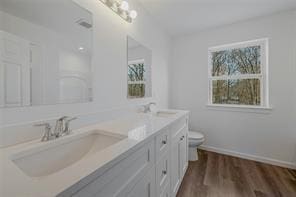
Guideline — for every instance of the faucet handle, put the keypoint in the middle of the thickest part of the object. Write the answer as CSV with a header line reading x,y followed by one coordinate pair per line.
x,y
62,118
46,125
71,119
67,125
47,134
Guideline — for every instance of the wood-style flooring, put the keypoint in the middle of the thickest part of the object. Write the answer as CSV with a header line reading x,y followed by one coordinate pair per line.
x,y
217,175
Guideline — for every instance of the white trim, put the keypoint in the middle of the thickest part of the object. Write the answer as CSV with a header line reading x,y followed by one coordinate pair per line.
x,y
263,76
257,42
137,61
245,76
240,108
262,159
136,82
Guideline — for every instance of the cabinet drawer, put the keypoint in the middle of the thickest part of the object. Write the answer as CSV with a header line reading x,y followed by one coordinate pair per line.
x,y
162,173
123,176
178,125
162,143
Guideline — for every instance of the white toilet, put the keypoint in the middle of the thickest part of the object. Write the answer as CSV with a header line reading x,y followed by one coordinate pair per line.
x,y
195,139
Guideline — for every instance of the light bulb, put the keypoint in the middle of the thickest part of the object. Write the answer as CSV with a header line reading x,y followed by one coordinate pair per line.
x,y
133,14
124,5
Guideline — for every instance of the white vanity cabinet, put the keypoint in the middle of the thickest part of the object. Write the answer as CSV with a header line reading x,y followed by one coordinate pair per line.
x,y
179,153
163,171
156,169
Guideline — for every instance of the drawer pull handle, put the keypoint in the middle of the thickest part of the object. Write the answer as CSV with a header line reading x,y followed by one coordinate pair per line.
x,y
164,142
164,172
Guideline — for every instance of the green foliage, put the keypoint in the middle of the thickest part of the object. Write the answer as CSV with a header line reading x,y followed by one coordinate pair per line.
x,y
136,90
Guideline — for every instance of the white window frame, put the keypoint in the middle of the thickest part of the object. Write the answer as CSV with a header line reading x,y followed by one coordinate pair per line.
x,y
137,61
263,76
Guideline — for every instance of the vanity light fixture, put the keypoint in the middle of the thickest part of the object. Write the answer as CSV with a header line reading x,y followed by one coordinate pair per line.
x,y
121,8
133,14
124,5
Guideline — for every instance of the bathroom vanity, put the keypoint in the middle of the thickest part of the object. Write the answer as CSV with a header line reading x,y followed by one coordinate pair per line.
x,y
139,155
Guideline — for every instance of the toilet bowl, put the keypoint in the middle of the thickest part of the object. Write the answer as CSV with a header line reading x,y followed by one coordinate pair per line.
x,y
195,139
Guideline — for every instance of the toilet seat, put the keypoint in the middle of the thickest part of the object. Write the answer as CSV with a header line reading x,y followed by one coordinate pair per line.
x,y
195,135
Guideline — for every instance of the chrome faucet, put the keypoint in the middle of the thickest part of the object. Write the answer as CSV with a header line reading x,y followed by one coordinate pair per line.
x,y
59,127
147,107
62,127
48,135
67,130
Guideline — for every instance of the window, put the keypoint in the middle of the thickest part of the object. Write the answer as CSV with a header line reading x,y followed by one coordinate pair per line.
x,y
238,74
136,78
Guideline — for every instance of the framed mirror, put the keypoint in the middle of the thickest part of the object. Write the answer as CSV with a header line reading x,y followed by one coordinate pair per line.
x,y
139,60
46,53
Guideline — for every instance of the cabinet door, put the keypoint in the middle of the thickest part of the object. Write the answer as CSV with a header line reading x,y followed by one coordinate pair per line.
x,y
166,191
121,179
183,147
162,173
175,172
179,159
145,187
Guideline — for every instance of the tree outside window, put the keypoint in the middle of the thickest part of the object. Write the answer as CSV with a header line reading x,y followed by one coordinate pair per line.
x,y
136,79
238,74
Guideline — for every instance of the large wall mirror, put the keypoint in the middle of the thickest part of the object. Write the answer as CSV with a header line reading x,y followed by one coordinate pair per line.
x,y
45,52
139,70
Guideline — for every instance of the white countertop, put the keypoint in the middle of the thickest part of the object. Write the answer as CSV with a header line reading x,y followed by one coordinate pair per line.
x,y
138,128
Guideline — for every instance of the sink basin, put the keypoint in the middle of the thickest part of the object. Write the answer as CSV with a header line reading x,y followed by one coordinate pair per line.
x,y
43,161
165,114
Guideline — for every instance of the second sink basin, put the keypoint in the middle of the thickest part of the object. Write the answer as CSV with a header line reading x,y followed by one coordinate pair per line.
x,y
45,161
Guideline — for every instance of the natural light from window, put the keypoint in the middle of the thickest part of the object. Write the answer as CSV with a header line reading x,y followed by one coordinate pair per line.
x,y
238,74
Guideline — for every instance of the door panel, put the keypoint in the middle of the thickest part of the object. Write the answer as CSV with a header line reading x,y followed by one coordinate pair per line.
x,y
183,154
15,70
145,187
12,81
175,172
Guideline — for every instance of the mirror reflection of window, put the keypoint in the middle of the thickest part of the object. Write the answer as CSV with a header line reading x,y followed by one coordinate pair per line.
x,y
47,55
136,78
139,70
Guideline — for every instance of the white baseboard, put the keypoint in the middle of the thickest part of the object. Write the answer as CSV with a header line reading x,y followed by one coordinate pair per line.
x,y
250,157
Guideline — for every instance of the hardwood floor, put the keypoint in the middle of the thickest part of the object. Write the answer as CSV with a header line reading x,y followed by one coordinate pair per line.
x,y
217,175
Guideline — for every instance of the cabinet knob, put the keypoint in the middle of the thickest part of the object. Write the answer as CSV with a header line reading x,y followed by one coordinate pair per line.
x,y
164,142
164,172
182,138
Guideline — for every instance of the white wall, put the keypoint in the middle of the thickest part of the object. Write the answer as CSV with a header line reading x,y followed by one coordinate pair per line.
x,y
109,42
266,136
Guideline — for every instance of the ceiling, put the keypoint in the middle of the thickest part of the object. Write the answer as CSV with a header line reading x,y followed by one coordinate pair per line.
x,y
61,16
188,16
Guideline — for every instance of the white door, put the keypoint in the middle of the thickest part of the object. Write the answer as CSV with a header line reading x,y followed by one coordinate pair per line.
x,y
14,71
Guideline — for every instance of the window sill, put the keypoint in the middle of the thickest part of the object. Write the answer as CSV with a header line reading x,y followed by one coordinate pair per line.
x,y
240,108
